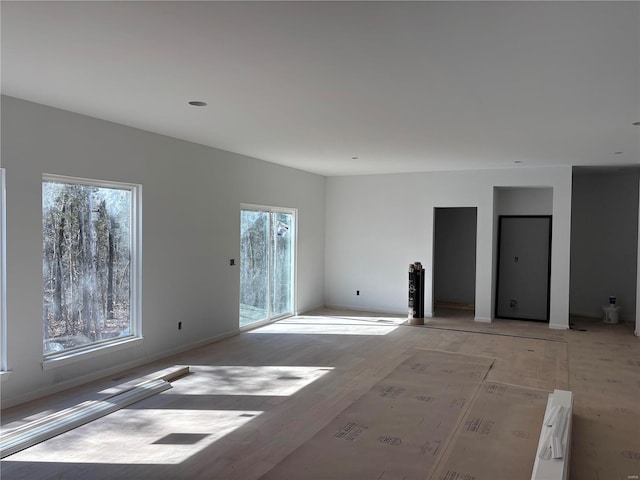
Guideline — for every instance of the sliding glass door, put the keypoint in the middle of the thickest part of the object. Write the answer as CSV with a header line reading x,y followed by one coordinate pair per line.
x,y
267,237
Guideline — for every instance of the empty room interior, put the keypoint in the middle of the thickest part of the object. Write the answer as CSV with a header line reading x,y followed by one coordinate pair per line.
x,y
320,240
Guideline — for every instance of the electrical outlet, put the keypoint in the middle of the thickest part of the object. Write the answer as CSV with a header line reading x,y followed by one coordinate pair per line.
x,y
179,325
357,292
232,261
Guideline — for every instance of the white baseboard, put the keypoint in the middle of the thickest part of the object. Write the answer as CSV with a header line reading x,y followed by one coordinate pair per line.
x,y
309,309
482,319
360,308
585,314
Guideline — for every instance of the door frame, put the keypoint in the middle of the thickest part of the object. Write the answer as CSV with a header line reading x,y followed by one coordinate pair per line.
x,y
548,309
435,253
294,265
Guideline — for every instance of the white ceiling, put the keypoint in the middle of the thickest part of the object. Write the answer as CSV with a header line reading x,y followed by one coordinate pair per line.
x,y
405,87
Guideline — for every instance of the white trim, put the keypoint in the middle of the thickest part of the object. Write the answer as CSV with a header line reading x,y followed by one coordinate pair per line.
x,y
374,310
262,323
50,177
555,468
136,260
91,351
3,275
555,326
135,229
309,309
294,269
266,208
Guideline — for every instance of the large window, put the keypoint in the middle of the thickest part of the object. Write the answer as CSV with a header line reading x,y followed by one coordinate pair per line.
x,y
90,263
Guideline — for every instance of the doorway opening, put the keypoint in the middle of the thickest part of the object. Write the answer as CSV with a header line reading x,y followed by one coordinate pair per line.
x,y
267,264
454,258
524,267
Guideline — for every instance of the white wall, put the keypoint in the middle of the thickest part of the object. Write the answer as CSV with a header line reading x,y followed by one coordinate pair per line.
x,y
190,217
454,256
377,225
524,201
604,243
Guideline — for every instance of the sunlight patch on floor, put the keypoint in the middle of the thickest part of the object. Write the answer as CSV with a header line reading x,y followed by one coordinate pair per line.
x,y
347,319
146,436
325,325
247,380
170,427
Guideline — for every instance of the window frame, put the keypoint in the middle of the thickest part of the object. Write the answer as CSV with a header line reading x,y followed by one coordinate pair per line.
x,y
54,359
294,261
4,367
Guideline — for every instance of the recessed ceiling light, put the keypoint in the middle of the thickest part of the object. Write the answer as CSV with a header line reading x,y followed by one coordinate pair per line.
x,y
617,153
354,158
517,161
197,103
636,123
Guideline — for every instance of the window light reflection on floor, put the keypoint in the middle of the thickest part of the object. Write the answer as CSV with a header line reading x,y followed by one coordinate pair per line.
x,y
325,325
178,423
247,380
134,436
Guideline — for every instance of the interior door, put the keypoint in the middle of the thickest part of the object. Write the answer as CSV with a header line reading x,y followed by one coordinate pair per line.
x,y
524,267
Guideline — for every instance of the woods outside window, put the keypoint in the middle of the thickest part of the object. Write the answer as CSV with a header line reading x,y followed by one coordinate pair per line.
x,y
90,263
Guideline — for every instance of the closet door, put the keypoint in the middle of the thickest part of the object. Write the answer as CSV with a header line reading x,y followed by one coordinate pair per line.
x,y
524,267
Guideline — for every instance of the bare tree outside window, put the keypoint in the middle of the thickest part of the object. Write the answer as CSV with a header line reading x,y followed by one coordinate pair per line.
x,y
86,267
266,264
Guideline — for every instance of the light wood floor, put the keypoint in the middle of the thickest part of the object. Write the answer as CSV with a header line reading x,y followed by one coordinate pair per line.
x,y
256,397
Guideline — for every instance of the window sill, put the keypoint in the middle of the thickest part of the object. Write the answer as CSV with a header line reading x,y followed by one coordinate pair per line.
x,y
91,352
4,375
